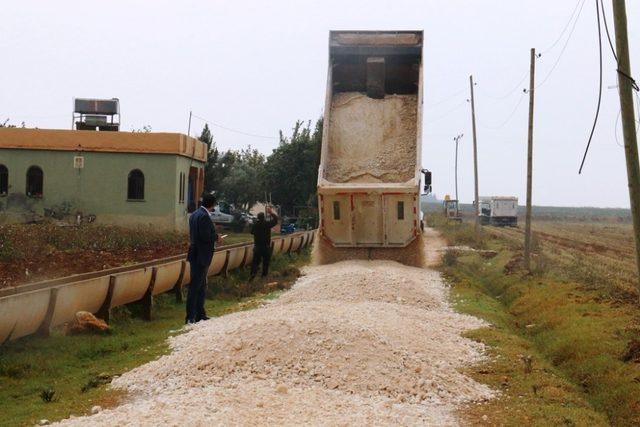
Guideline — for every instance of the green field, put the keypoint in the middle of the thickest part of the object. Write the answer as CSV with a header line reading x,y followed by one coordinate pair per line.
x,y
575,315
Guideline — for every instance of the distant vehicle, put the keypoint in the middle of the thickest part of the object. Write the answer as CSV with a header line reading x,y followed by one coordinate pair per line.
x,y
247,218
219,217
485,210
289,225
501,211
451,211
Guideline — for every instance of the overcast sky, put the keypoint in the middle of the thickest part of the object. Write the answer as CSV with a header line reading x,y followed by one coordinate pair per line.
x,y
257,66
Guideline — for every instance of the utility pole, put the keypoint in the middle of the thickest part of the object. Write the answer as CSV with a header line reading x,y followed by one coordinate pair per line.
x,y
625,84
189,127
456,139
527,226
475,161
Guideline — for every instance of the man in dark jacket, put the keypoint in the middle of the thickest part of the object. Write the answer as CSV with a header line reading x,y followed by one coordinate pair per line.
x,y
202,238
261,231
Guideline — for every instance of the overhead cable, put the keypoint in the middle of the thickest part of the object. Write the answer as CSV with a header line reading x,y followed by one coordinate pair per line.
x,y
595,119
253,135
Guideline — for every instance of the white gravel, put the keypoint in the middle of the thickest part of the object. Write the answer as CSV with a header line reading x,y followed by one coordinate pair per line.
x,y
372,140
356,342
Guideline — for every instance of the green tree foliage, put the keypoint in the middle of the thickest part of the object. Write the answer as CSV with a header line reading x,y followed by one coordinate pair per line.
x,y
242,185
291,171
214,169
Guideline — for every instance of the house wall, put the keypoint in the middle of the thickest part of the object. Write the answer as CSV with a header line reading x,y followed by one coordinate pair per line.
x,y
100,188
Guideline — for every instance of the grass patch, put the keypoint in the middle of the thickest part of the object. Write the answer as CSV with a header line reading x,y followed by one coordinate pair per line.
x,y
575,338
53,378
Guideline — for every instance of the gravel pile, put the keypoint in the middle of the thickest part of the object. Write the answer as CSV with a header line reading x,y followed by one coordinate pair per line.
x,y
352,343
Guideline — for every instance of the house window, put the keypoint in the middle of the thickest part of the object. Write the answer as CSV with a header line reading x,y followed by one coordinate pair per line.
x,y
4,180
135,185
336,210
35,179
400,210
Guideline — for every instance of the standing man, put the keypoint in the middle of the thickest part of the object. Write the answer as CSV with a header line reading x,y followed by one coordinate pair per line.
x,y
261,231
202,239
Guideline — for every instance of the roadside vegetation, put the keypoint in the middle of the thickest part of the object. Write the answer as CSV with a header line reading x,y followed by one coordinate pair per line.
x,y
564,338
53,378
35,252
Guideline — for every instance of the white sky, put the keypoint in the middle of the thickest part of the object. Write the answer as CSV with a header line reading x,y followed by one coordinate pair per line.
x,y
257,66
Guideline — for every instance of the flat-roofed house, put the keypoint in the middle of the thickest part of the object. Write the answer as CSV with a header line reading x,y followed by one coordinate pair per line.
x,y
122,178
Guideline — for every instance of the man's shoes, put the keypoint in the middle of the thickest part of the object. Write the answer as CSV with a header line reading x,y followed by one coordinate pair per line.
x,y
189,322
203,318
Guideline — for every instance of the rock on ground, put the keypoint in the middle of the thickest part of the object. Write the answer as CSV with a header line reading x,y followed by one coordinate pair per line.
x,y
86,322
356,342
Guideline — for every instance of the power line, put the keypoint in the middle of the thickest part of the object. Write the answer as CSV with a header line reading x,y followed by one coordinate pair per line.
x,y
509,117
606,29
564,29
595,120
457,107
516,87
442,101
253,135
564,47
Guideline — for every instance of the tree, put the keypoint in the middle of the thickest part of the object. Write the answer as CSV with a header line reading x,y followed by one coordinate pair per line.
x,y
242,183
291,171
6,124
212,173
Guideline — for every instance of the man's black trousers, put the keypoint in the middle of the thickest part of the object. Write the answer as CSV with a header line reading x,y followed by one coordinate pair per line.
x,y
196,292
261,254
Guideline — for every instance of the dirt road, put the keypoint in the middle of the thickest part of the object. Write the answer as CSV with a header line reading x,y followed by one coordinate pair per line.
x,y
356,342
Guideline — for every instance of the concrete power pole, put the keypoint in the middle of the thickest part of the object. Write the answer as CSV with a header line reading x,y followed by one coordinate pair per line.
x,y
456,139
527,227
625,84
475,161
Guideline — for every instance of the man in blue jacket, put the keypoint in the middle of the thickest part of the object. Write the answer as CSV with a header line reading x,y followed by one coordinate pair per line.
x,y
202,239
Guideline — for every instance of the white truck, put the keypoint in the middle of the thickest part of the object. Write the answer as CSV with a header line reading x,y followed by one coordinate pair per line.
x,y
499,210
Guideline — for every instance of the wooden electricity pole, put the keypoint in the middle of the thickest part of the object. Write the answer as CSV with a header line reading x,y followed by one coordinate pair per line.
x,y
475,162
527,226
625,85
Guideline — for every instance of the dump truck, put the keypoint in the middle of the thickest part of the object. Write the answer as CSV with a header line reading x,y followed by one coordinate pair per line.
x,y
370,172
499,210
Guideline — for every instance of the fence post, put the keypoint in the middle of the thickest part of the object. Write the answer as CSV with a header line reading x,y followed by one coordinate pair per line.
x,y
104,312
45,328
147,299
177,289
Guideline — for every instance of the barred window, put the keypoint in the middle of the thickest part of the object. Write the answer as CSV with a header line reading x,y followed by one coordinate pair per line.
x,y
135,185
35,181
336,210
4,180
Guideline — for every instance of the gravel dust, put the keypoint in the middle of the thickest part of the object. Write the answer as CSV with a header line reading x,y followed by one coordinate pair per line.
x,y
355,342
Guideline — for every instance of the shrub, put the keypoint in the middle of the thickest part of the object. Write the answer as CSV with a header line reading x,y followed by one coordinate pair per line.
x,y
450,258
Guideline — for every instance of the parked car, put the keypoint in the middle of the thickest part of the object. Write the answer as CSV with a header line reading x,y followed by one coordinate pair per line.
x,y
219,217
289,225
